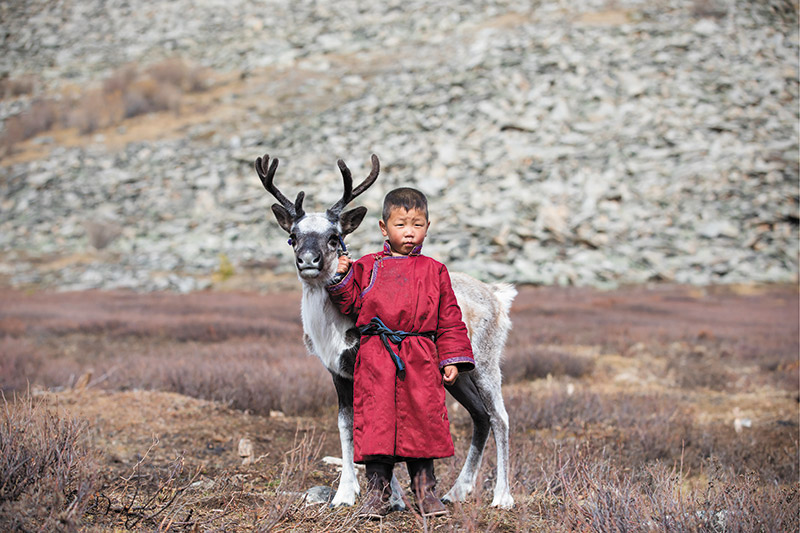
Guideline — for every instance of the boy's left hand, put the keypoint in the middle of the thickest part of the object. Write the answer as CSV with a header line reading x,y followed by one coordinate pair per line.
x,y
450,374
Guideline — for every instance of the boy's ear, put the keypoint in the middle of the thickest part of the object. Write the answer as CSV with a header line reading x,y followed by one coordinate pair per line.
x,y
350,220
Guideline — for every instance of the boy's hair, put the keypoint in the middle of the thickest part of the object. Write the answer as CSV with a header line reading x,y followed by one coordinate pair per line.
x,y
404,197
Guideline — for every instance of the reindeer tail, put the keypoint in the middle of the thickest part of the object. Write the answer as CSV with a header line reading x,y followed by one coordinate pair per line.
x,y
505,293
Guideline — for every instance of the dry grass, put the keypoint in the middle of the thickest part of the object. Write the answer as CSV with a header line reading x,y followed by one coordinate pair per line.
x,y
244,351
128,92
47,471
624,409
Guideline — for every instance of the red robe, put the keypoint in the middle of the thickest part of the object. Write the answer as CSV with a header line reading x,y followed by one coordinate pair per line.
x,y
404,418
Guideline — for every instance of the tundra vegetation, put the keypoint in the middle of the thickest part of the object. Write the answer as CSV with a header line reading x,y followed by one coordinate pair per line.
x,y
642,409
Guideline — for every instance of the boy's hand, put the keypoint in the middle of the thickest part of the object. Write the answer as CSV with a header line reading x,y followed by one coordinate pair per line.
x,y
344,264
450,374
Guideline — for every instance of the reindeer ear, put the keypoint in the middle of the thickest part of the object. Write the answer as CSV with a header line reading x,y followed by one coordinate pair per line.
x,y
350,220
283,216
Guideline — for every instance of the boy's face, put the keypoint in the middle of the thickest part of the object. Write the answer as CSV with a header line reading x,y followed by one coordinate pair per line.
x,y
405,229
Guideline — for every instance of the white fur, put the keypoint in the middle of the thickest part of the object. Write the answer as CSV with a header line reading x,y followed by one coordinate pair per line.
x,y
325,325
348,484
485,311
313,223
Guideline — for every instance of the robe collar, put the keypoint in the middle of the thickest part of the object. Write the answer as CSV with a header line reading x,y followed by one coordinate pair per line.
x,y
387,249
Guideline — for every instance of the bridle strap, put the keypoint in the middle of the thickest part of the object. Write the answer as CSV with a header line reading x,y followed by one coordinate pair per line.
x,y
343,247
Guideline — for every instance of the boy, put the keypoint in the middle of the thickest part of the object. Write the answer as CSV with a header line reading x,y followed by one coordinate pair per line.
x,y
412,340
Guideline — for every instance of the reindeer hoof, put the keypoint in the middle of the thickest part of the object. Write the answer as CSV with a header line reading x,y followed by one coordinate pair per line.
x,y
503,502
335,504
457,494
343,501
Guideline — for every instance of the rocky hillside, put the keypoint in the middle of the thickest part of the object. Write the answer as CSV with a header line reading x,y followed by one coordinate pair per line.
x,y
585,142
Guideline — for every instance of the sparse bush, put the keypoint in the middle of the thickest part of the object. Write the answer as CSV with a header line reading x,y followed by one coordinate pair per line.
x,y
586,487
255,378
178,74
42,115
241,350
147,96
12,87
520,364
46,471
19,362
698,369
126,93
121,79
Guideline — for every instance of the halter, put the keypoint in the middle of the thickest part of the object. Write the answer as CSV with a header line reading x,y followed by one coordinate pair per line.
x,y
344,248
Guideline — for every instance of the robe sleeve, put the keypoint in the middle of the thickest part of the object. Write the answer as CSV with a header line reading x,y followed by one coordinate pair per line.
x,y
345,293
452,341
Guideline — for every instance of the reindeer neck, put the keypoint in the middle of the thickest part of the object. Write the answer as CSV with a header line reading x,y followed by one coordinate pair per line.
x,y
325,325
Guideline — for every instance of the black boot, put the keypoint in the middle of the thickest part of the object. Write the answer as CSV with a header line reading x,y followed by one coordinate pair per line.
x,y
376,502
423,485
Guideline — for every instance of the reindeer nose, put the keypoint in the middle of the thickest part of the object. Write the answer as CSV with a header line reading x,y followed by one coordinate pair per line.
x,y
309,260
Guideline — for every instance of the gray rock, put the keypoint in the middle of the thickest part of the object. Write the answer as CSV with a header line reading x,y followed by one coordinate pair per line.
x,y
319,494
553,151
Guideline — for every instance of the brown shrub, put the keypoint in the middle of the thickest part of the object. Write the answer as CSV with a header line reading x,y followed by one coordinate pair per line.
x,y
645,428
126,93
522,364
14,132
96,110
42,115
12,87
121,79
19,362
242,350
148,96
46,471
179,74
588,487
259,379
699,368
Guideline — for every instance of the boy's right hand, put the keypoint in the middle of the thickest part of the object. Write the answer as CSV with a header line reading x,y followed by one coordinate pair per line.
x,y
344,264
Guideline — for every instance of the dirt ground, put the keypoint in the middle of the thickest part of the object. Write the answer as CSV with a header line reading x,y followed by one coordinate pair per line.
x,y
723,359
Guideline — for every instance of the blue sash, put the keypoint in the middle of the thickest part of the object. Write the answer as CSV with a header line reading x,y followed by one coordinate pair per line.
x,y
377,327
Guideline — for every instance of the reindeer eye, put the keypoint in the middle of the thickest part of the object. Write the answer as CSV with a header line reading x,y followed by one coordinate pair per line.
x,y
333,240
292,239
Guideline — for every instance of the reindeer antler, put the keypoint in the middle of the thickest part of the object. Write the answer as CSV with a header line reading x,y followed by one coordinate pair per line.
x,y
349,193
267,175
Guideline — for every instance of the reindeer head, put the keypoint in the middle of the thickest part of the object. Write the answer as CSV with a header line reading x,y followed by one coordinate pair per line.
x,y
316,237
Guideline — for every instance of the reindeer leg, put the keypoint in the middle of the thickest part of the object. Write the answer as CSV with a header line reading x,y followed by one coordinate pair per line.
x,y
466,393
488,384
396,499
348,483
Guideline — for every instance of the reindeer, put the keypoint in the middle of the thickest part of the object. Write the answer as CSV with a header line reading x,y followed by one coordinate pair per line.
x,y
317,239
